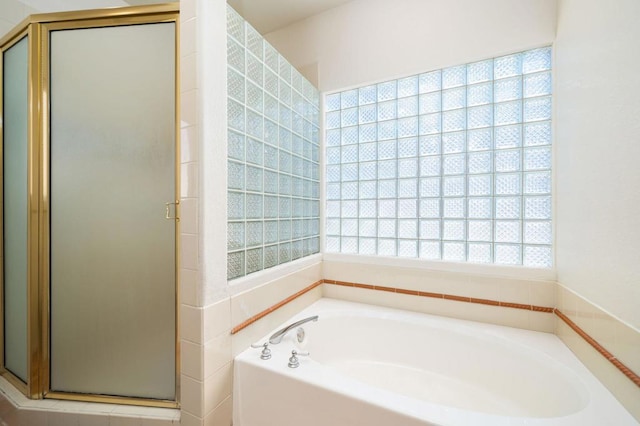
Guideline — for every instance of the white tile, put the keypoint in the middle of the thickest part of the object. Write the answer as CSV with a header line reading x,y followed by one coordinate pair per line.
x,y
627,393
217,353
445,282
188,37
187,10
515,291
253,301
189,180
627,346
189,287
189,216
221,415
188,419
123,420
191,395
191,362
509,317
218,387
12,417
93,419
39,404
188,108
217,319
569,303
156,422
191,324
543,293
33,417
189,148
559,299
92,407
604,329
188,73
542,321
189,251
584,315
60,418
480,287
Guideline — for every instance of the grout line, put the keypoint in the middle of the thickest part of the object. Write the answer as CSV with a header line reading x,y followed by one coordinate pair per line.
x,y
598,347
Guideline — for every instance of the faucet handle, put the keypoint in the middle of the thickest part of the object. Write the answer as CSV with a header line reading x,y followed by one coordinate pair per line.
x,y
293,360
266,352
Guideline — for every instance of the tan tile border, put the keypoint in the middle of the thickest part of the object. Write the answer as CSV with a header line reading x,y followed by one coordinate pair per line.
x,y
598,347
444,296
619,365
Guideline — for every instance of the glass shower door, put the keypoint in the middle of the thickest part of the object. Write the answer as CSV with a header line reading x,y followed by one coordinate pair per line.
x,y
15,206
112,243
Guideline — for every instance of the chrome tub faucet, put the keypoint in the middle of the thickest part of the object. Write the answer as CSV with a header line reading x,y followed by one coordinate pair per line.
x,y
278,335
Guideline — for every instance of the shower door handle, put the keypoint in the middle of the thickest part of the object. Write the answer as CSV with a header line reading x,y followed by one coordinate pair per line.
x,y
168,210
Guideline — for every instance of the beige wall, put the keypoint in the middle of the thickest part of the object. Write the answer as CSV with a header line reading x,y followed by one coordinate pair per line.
x,y
370,40
11,13
597,142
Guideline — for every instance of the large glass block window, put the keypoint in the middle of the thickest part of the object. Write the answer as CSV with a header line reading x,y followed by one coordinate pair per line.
x,y
453,164
273,171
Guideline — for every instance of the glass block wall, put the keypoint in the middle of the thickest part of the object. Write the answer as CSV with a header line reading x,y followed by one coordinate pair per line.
x,y
273,155
453,164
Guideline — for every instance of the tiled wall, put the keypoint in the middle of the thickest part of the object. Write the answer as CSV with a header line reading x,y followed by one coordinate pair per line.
x,y
619,339
533,290
452,164
273,171
205,350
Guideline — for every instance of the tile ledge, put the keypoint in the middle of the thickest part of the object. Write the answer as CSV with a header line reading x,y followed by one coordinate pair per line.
x,y
21,402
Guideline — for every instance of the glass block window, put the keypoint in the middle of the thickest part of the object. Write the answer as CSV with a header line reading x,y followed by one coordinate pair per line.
x,y
273,171
453,164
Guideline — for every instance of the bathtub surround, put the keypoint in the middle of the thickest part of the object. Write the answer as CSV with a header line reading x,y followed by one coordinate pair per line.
x,y
410,304
370,344
493,295
608,346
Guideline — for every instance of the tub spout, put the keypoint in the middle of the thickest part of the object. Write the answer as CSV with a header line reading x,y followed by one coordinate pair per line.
x,y
278,335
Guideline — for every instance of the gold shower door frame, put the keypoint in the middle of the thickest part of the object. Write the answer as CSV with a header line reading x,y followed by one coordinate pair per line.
x,y
33,201
38,28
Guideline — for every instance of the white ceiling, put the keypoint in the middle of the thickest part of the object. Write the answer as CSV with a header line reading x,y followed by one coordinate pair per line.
x,y
265,15
47,6
270,15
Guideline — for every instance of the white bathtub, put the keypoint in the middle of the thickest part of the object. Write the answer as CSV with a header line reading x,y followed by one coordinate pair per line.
x,y
383,367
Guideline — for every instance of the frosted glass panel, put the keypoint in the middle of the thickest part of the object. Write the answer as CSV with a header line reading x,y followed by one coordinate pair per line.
x,y
112,250
15,207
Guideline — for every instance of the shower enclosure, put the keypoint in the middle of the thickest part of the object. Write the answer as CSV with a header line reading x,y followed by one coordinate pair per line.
x,y
89,205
